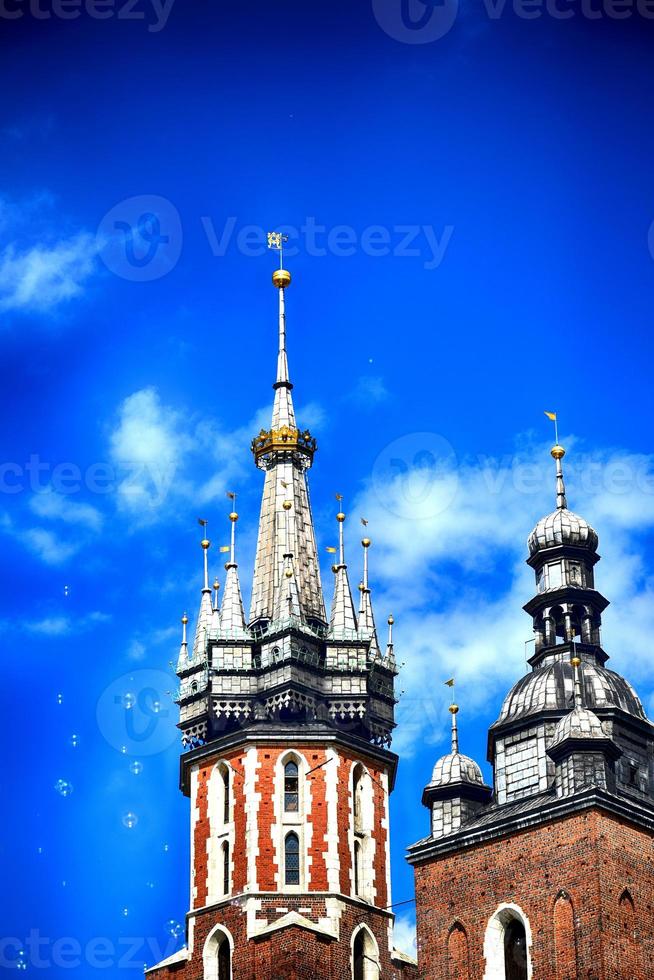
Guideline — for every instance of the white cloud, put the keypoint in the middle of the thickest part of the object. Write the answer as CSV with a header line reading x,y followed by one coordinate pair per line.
x,y
369,391
63,507
404,935
41,277
47,546
64,625
448,559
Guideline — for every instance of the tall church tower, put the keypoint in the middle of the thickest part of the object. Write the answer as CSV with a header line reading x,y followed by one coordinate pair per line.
x,y
550,874
286,719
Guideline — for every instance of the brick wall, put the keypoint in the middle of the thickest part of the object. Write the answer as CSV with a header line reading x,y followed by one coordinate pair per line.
x,y
592,861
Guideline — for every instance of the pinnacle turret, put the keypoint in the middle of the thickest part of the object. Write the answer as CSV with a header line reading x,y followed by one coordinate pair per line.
x,y
232,616
342,623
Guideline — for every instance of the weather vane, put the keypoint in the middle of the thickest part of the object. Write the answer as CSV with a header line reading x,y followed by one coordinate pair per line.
x,y
277,240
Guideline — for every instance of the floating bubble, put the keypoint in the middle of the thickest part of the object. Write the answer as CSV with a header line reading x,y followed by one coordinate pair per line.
x,y
66,590
149,884
39,850
156,707
136,767
173,928
130,820
166,847
123,750
60,699
63,787
124,912
129,701
21,960
74,741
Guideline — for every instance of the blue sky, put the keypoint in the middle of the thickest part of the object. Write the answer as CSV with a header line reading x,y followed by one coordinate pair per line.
x,y
473,244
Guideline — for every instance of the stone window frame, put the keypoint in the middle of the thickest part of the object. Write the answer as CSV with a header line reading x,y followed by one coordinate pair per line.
x,y
292,820
218,935
361,832
372,966
505,913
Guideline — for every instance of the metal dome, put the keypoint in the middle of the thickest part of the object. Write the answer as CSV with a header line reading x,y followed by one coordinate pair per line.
x,y
456,768
562,526
580,723
551,688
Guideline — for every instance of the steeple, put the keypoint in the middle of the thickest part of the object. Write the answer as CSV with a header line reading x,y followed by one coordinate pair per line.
x,y
367,629
286,571
182,661
205,614
563,554
232,617
342,623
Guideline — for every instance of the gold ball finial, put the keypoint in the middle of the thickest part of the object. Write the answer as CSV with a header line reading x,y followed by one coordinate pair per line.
x,y
334,569
287,504
391,620
557,452
366,542
281,278
340,517
361,587
216,584
184,619
289,573
205,544
233,516
453,708
575,661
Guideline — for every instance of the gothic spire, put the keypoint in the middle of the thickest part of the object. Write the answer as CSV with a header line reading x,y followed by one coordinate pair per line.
x,y
205,614
183,662
367,629
342,623
286,571
232,617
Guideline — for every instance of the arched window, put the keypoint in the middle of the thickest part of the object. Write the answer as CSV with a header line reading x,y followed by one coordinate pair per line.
x,y
226,798
565,947
515,951
292,859
628,938
217,955
458,964
291,787
365,956
507,944
357,803
226,868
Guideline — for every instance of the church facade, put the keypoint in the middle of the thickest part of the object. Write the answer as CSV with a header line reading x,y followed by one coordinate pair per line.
x,y
286,717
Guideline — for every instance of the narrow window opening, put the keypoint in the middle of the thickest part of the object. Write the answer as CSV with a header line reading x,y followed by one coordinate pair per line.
x,y
291,788
515,951
226,800
224,961
292,859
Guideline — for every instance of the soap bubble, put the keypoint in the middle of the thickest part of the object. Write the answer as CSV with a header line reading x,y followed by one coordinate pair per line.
x,y
63,787
130,820
166,847
173,928
136,767
129,700
74,741
20,962
60,699
125,912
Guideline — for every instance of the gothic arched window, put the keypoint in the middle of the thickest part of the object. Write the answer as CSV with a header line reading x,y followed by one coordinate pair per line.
x,y
291,787
515,951
458,965
365,956
292,859
565,947
359,957
357,867
217,955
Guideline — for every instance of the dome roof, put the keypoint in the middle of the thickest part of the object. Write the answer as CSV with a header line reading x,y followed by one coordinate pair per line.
x,y
551,688
562,527
578,723
456,768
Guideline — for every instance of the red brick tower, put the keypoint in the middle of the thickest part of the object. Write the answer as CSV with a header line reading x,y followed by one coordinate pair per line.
x,y
287,718
552,878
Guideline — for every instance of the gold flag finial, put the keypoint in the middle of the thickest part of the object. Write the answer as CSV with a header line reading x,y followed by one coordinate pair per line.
x,y
553,417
